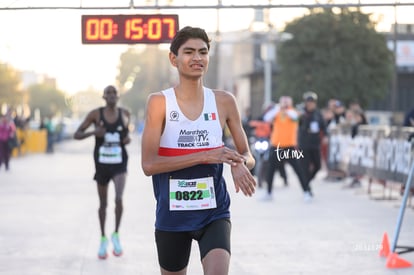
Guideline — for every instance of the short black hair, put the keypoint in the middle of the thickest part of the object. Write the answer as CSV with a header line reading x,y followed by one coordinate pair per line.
x,y
110,87
187,33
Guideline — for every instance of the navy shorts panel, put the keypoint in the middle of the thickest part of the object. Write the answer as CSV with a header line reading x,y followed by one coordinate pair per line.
x,y
174,248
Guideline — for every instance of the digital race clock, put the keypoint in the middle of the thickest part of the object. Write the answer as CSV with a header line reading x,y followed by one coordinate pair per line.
x,y
128,28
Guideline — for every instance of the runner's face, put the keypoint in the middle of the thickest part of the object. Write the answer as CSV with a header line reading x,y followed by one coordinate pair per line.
x,y
111,96
192,58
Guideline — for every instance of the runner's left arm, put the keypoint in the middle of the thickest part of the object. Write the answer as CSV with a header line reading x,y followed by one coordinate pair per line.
x,y
243,179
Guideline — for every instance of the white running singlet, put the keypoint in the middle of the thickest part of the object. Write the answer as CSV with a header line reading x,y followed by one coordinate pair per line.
x,y
182,135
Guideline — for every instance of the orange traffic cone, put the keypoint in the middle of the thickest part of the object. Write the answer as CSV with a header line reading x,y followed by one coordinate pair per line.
x,y
385,246
394,261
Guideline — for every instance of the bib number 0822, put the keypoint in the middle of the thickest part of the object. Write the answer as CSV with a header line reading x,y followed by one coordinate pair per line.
x,y
189,195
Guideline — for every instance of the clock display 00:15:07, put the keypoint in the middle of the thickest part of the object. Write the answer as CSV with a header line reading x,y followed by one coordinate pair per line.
x,y
129,29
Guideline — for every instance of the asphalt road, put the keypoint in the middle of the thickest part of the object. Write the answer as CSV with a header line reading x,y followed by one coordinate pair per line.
x,y
49,223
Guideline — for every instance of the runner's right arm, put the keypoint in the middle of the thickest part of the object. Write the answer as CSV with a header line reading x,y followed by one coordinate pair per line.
x,y
90,119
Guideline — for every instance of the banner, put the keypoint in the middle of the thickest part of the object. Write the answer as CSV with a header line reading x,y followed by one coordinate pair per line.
x,y
380,152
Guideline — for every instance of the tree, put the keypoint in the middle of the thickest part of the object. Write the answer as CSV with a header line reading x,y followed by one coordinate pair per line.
x,y
48,100
83,102
9,86
337,55
141,72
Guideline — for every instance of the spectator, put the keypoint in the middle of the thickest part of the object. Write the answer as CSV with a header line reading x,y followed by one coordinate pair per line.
x,y
48,125
261,133
283,141
338,113
312,131
409,119
409,122
8,139
355,117
328,116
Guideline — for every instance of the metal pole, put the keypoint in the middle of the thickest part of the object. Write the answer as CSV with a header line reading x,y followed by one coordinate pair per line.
x,y
217,49
267,81
394,90
192,7
268,56
402,208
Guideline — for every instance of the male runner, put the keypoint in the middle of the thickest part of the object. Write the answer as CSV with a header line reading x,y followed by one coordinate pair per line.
x,y
111,159
182,149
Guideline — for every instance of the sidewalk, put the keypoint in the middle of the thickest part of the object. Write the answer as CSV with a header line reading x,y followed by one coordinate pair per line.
x,y
49,223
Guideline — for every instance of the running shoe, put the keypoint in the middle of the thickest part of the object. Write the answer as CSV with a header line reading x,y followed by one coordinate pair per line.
x,y
266,197
117,245
102,249
307,197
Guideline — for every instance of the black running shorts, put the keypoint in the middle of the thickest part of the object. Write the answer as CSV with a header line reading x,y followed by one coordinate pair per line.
x,y
104,173
174,247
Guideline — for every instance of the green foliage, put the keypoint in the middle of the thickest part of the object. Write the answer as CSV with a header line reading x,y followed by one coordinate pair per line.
x,y
146,71
9,86
47,99
337,55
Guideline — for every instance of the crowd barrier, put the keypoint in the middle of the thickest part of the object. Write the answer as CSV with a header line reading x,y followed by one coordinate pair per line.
x,y
385,155
30,141
382,153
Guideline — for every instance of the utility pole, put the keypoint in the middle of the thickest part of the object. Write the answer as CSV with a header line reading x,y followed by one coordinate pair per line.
x,y
394,89
217,48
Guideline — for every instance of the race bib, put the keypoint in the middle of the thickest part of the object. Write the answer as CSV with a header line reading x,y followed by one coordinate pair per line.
x,y
192,194
110,152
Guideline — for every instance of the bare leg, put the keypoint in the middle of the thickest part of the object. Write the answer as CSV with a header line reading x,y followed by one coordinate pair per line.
x,y
216,262
7,157
2,152
119,181
103,202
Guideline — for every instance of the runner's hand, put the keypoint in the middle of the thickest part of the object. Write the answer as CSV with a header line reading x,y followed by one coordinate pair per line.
x,y
243,179
126,140
100,130
224,155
